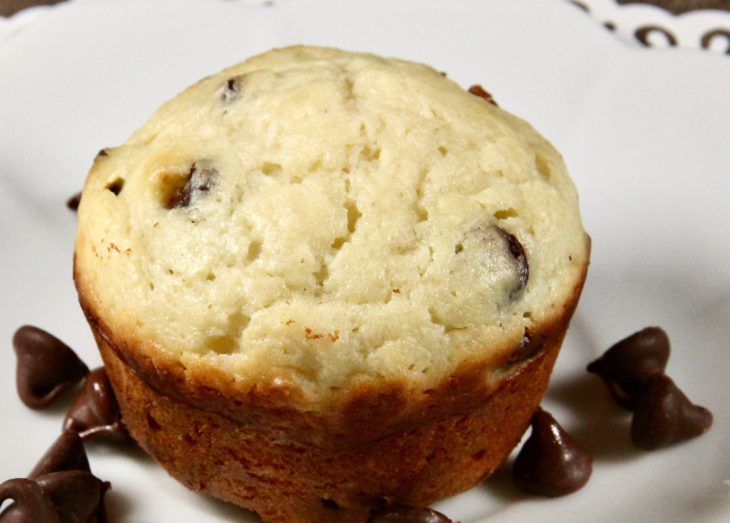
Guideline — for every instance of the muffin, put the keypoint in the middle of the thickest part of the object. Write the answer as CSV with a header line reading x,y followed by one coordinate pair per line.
x,y
325,281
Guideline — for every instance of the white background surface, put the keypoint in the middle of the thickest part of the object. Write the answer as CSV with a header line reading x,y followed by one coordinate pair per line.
x,y
644,133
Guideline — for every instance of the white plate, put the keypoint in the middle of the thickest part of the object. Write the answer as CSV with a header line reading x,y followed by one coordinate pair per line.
x,y
649,25
645,134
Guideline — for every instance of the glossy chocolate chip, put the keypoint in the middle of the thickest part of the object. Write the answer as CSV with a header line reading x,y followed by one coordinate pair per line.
x,y
95,411
406,514
77,495
73,202
492,246
46,366
664,415
629,364
59,497
479,91
551,463
30,503
197,185
518,253
66,453
529,347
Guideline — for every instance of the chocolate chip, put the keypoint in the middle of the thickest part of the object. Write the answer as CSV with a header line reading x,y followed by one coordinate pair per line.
x,y
551,462
406,514
30,503
479,91
95,411
116,186
73,202
197,184
102,153
529,347
230,90
664,415
518,252
496,253
628,364
46,366
66,453
59,497
76,495
330,504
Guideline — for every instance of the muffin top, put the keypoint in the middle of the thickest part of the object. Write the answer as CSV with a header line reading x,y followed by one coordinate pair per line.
x,y
327,218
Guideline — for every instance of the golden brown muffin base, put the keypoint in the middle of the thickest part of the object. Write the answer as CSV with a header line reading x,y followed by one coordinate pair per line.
x,y
267,451
286,480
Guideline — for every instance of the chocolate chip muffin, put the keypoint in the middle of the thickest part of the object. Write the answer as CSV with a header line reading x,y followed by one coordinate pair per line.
x,y
325,281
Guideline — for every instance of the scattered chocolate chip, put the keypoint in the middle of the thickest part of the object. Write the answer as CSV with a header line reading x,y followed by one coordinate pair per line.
x,y
551,462
664,415
629,364
230,91
46,366
73,496
197,184
95,411
518,252
77,495
66,453
30,503
479,91
102,153
406,514
73,202
530,346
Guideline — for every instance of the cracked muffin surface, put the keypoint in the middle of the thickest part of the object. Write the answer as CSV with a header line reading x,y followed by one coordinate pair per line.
x,y
324,219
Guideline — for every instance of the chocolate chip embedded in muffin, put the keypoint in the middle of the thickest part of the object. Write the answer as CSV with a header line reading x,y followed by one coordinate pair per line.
x,y
194,187
479,91
518,253
664,415
530,345
230,90
45,368
493,257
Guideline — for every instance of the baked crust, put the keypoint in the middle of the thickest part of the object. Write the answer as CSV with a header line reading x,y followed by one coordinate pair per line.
x,y
269,450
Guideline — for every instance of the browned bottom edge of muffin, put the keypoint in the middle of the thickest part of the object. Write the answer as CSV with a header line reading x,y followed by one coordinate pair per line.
x,y
286,479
